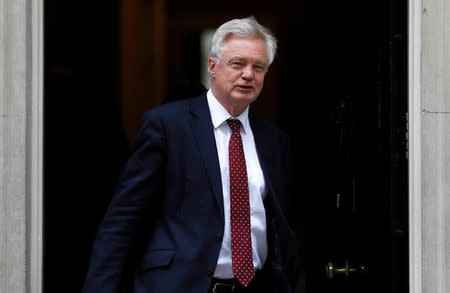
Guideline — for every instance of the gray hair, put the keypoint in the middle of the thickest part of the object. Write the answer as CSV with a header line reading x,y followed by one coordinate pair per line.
x,y
244,27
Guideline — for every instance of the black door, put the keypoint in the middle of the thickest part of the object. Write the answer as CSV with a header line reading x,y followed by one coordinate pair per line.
x,y
346,111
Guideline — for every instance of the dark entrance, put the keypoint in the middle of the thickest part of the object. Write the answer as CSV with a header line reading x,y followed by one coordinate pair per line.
x,y
345,105
338,87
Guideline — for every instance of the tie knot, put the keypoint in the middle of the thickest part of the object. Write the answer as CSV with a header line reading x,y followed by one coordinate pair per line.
x,y
234,124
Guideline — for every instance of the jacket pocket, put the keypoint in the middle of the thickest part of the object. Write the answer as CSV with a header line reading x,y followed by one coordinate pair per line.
x,y
155,259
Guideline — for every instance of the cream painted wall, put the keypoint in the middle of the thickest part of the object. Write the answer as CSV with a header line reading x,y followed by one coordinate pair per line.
x,y
435,138
20,145
13,93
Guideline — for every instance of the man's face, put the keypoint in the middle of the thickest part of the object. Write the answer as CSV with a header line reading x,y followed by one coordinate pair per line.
x,y
238,79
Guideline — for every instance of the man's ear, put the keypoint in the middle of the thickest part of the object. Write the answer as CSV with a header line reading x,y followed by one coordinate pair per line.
x,y
211,67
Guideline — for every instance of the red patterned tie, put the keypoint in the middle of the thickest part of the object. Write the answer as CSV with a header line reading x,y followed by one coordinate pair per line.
x,y
241,241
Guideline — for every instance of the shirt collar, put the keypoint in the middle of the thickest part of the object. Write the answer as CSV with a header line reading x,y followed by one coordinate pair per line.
x,y
219,114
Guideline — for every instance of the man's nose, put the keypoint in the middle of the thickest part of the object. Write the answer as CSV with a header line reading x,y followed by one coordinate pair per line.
x,y
247,73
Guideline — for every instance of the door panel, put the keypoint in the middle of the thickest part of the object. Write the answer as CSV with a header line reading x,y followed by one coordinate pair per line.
x,y
349,103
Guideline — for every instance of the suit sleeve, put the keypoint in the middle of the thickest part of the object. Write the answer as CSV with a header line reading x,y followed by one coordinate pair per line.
x,y
137,194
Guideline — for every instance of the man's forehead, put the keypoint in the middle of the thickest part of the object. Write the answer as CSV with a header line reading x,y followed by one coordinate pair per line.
x,y
234,48
232,36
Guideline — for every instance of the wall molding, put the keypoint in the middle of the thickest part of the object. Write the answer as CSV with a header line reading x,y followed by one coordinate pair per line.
x,y
21,141
415,143
35,149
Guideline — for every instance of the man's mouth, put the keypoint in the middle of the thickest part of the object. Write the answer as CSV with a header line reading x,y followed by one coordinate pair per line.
x,y
244,87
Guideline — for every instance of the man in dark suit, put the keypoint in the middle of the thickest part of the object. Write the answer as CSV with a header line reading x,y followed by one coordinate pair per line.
x,y
201,204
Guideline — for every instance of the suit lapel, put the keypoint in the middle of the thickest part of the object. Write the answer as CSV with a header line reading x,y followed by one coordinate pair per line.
x,y
262,144
203,131
265,148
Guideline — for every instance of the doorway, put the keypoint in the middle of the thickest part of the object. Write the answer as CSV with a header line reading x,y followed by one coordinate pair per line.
x,y
350,134
338,87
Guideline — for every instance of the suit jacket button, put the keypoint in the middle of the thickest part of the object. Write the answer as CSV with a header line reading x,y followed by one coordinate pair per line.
x,y
210,273
218,238
276,251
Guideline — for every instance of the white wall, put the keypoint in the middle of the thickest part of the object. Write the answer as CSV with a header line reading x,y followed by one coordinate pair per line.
x,y
20,144
435,137
13,91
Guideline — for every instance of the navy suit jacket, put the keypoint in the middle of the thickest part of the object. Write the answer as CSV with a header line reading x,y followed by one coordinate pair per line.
x,y
163,229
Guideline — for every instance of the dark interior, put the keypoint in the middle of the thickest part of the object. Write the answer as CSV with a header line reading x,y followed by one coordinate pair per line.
x,y
338,87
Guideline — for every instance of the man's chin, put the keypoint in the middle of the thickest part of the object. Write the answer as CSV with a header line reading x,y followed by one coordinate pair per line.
x,y
245,97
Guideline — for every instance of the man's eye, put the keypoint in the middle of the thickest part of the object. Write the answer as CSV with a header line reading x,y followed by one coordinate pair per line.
x,y
236,65
259,68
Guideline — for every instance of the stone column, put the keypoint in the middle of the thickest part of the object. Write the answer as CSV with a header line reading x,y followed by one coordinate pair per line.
x,y
20,139
435,133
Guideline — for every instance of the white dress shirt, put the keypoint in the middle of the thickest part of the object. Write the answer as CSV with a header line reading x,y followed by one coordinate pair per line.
x,y
256,186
